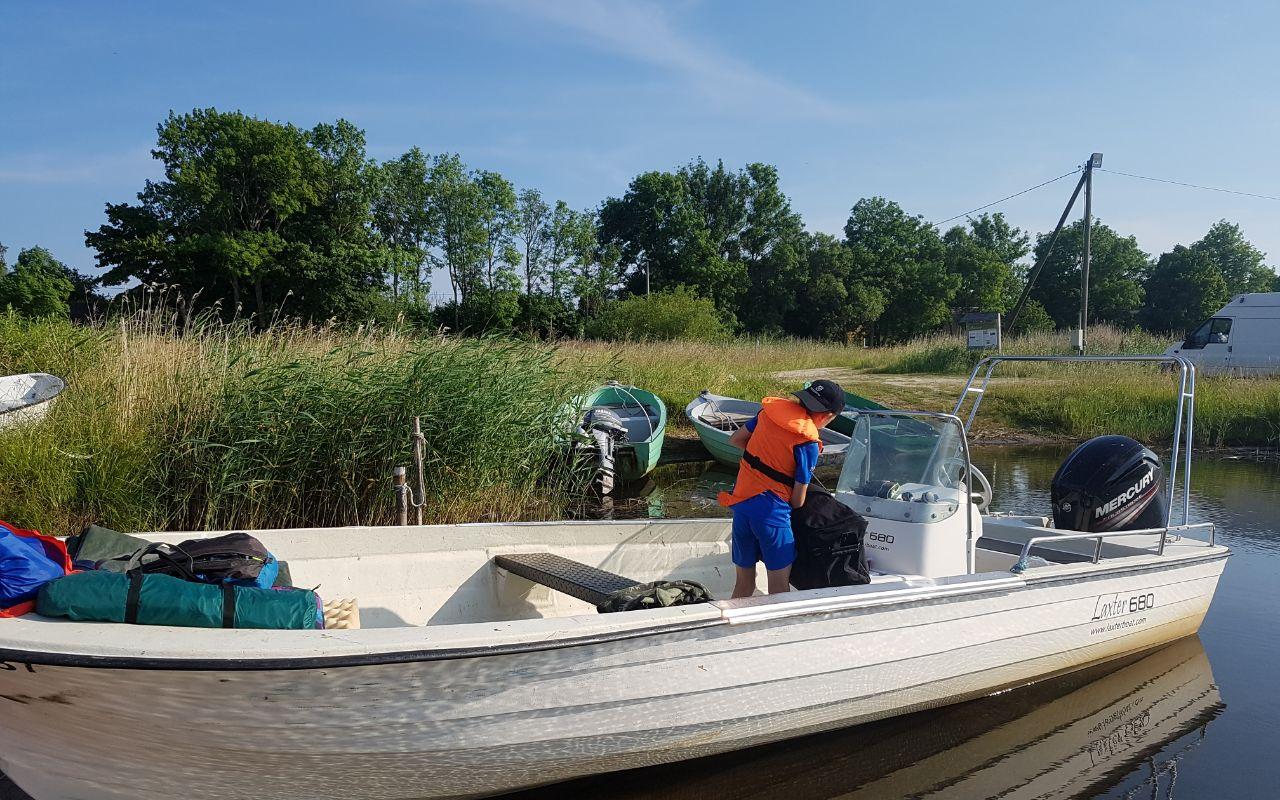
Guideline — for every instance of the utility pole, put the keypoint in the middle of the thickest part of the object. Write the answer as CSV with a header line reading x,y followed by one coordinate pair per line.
x,y
1094,162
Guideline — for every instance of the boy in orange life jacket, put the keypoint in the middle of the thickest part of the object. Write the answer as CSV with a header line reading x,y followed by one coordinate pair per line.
x,y
780,449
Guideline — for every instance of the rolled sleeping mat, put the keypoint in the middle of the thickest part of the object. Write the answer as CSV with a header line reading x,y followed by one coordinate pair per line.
x,y
100,596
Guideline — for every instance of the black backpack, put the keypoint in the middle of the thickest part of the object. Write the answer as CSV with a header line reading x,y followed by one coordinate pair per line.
x,y
829,550
234,558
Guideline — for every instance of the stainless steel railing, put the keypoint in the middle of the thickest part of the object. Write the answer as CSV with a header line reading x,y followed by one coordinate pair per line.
x,y
1176,530
1185,400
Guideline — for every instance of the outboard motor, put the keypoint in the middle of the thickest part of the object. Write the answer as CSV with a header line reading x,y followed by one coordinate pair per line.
x,y
1109,483
604,429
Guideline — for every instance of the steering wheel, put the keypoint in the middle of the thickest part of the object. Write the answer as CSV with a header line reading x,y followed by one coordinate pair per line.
x,y
982,497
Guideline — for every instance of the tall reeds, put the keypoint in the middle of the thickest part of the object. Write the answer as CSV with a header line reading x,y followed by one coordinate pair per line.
x,y
180,424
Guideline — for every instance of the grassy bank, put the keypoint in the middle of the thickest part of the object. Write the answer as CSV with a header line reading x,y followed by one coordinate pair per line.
x,y
223,428
1026,401
215,426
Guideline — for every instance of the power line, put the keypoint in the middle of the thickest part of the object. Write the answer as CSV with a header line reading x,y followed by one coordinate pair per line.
x,y
1189,185
1010,197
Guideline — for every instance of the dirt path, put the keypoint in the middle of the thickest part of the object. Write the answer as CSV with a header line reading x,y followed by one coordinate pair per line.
x,y
920,392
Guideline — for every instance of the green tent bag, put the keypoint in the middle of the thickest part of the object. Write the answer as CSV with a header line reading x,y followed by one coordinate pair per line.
x,y
99,596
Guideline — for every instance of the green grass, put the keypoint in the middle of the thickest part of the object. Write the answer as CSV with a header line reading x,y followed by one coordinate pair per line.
x,y
178,424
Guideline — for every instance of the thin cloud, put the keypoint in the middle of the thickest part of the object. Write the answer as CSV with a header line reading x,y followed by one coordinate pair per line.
x,y
643,32
35,169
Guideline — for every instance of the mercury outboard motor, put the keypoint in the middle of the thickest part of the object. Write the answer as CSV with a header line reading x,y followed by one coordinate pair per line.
x,y
1109,483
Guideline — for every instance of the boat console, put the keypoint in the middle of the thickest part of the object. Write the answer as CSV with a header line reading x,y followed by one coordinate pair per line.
x,y
908,475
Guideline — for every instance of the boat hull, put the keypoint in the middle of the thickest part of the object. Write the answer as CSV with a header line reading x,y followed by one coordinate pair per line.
x,y
459,725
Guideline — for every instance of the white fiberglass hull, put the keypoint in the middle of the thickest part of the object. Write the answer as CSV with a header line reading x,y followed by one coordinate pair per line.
x,y
27,398
477,721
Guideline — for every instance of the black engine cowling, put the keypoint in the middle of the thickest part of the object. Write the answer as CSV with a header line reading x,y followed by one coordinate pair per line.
x,y
1109,483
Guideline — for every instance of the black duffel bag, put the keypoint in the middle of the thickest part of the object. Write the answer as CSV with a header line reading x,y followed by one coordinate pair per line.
x,y
829,546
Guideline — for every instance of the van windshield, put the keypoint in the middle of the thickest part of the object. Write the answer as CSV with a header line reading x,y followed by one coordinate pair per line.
x,y
1213,331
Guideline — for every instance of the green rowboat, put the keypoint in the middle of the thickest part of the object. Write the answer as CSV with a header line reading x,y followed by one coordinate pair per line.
x,y
643,414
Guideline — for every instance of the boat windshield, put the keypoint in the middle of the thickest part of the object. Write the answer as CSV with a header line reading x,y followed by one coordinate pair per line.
x,y
892,455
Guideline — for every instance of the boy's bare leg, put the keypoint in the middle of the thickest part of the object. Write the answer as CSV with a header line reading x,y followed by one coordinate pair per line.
x,y
745,584
780,580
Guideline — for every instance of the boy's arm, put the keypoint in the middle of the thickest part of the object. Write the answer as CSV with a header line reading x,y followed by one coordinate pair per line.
x,y
806,459
742,435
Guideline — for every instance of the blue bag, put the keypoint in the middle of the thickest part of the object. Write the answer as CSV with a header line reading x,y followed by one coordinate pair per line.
x,y
27,562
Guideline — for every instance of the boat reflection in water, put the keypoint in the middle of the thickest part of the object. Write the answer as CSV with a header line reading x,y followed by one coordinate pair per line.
x,y
1076,735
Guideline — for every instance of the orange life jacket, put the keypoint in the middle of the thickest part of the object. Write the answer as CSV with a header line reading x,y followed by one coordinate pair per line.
x,y
783,423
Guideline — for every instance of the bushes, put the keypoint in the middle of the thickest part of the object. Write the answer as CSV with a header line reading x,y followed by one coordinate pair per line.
x,y
675,314
223,428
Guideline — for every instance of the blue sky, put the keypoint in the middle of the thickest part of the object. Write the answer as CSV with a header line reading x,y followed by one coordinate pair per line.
x,y
939,106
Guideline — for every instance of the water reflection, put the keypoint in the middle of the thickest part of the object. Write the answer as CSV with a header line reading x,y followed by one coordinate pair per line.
x,y
1125,725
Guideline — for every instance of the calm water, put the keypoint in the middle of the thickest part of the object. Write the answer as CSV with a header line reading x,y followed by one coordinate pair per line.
x,y
1197,720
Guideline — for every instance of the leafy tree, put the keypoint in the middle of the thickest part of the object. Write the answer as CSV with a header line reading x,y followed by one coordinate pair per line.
x,y
1239,261
38,285
835,303
401,211
532,216
904,256
986,256
1034,319
730,235
1184,287
498,216
678,313
460,233
251,211
1118,269
569,239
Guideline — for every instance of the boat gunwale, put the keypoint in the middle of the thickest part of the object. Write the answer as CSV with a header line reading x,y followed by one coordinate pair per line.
x,y
756,610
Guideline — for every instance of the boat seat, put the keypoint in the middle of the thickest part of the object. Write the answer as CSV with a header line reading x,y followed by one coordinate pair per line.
x,y
574,578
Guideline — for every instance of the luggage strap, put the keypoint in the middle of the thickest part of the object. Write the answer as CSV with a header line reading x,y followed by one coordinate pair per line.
x,y
133,598
776,474
228,605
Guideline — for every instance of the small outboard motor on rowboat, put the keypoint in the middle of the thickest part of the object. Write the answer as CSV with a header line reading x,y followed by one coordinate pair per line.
x,y
604,429
1109,483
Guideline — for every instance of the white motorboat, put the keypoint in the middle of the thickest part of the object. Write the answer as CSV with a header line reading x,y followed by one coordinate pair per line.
x,y
481,666
27,398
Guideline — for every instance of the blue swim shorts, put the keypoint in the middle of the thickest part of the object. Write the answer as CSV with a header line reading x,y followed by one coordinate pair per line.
x,y
756,539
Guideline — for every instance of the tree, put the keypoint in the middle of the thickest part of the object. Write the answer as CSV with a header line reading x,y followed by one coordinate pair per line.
x,y
532,215
1118,269
570,238
987,261
459,231
497,199
729,235
38,285
402,217
904,257
1239,261
835,302
1184,287
253,212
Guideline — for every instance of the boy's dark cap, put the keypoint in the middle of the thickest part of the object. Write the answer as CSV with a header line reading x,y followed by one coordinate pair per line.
x,y
822,396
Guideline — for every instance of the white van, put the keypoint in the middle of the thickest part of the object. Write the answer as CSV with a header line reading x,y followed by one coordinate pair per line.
x,y
1241,339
